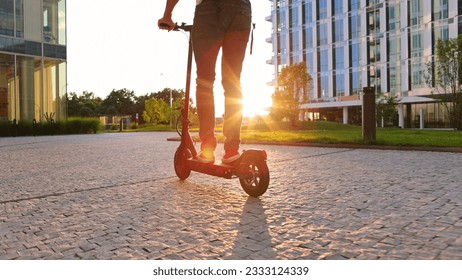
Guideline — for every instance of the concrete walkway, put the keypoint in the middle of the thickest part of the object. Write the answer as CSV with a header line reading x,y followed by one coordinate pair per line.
x,y
116,196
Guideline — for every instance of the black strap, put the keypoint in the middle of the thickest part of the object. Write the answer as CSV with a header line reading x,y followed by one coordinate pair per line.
x,y
251,39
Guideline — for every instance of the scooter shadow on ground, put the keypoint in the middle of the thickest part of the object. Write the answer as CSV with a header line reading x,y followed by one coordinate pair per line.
x,y
253,239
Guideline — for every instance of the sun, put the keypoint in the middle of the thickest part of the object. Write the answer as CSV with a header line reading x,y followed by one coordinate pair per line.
x,y
256,99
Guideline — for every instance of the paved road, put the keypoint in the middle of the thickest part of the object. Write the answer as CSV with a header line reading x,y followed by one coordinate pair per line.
x,y
115,196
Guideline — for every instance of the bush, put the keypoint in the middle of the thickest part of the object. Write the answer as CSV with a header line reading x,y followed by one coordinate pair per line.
x,y
69,126
81,126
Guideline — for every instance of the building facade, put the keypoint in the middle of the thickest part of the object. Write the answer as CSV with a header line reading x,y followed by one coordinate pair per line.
x,y
32,60
351,44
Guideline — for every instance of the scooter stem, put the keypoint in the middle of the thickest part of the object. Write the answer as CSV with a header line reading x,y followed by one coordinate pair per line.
x,y
186,137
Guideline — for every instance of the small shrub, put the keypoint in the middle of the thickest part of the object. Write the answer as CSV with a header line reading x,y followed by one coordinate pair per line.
x,y
82,125
69,126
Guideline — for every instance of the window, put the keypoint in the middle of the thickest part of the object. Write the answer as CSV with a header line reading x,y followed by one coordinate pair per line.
x,y
339,58
338,7
354,5
324,61
394,48
7,96
395,78
338,30
28,95
323,35
54,21
294,15
417,76
355,26
440,33
322,9
19,18
295,41
416,44
324,85
309,12
7,17
440,9
310,62
393,17
354,76
415,12
309,37
460,22
355,54
339,84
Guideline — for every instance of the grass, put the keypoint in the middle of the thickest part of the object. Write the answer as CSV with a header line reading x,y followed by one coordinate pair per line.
x,y
334,133
420,138
306,132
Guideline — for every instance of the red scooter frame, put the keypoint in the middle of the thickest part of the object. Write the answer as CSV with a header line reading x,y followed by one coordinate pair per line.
x,y
250,168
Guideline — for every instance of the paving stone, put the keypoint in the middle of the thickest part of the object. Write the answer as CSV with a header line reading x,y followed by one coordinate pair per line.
x,y
104,197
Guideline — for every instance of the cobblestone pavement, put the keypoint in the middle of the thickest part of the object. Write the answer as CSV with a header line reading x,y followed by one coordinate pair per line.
x,y
116,196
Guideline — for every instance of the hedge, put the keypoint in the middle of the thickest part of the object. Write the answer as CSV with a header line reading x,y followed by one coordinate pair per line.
x,y
69,126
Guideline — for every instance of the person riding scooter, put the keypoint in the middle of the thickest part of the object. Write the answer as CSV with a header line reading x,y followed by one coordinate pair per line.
x,y
225,25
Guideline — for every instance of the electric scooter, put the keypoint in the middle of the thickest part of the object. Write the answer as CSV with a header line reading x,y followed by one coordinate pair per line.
x,y
251,167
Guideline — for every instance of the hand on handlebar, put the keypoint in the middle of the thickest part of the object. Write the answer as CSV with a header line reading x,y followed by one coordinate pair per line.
x,y
166,24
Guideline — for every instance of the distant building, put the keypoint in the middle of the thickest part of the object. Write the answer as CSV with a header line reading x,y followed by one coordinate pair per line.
x,y
115,122
351,44
32,59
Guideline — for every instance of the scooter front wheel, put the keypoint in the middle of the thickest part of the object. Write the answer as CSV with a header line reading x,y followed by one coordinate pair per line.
x,y
254,176
180,163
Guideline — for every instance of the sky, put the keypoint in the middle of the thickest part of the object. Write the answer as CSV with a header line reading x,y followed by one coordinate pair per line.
x,y
115,44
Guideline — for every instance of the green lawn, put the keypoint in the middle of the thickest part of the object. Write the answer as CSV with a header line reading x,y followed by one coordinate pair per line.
x,y
315,132
424,138
336,133
332,133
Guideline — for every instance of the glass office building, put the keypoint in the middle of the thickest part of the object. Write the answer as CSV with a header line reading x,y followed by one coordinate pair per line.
x,y
351,44
32,60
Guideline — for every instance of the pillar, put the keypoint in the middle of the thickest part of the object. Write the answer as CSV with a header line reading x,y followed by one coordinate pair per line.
x,y
401,116
345,115
368,117
422,124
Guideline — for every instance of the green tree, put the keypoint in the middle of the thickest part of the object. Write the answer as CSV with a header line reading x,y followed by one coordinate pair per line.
x,y
166,93
177,110
292,91
386,109
84,105
73,105
444,74
122,100
156,111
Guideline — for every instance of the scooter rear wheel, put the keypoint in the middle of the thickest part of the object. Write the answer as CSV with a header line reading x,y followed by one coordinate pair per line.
x,y
180,164
254,176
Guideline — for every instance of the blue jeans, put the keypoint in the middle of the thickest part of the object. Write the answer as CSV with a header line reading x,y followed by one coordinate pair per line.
x,y
225,25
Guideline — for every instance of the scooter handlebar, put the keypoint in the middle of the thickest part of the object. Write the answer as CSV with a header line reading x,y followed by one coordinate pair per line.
x,y
177,27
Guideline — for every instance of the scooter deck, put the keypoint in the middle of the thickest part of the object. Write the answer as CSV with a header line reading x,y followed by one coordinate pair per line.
x,y
219,170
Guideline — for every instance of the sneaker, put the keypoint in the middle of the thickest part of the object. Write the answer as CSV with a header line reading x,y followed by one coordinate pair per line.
x,y
230,156
206,157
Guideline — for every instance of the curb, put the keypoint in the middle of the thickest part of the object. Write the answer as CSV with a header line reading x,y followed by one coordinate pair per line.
x,y
346,146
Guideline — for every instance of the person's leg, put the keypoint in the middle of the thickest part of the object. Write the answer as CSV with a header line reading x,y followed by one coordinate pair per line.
x,y
207,38
233,48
